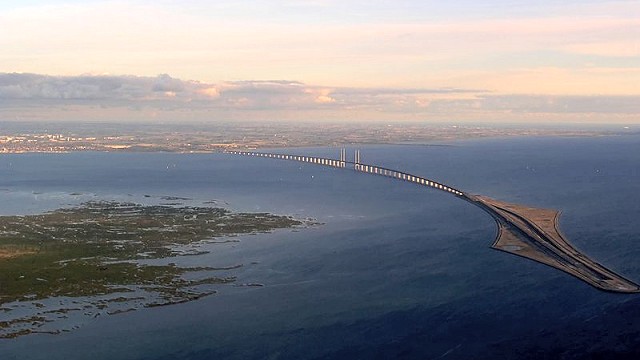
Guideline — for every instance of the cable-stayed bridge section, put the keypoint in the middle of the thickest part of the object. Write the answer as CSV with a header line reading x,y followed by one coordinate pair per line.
x,y
357,166
528,232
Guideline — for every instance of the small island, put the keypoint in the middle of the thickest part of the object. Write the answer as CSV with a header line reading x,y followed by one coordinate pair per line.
x,y
101,250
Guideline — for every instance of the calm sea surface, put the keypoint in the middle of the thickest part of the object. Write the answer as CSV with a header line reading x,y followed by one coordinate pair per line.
x,y
395,271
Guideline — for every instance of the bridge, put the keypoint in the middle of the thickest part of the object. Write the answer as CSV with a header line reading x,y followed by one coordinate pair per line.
x,y
357,166
528,232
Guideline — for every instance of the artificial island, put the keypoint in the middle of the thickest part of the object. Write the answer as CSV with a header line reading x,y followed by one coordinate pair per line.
x,y
524,231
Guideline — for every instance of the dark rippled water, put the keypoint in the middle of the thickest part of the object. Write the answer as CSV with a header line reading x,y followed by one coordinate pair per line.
x,y
396,271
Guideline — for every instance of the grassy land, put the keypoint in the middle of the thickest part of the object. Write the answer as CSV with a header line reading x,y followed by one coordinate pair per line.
x,y
91,249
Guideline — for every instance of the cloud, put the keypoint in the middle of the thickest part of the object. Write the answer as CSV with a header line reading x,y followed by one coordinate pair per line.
x,y
563,104
211,92
324,99
163,95
99,87
165,83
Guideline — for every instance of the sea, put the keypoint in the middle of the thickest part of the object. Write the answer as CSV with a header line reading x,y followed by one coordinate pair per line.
x,y
391,270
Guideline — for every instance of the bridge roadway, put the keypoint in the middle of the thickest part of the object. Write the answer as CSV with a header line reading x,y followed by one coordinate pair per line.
x,y
527,232
371,169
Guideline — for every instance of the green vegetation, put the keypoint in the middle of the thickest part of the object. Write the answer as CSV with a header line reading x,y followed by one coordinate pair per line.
x,y
93,249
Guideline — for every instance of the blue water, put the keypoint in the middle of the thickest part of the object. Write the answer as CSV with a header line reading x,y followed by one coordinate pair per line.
x,y
395,271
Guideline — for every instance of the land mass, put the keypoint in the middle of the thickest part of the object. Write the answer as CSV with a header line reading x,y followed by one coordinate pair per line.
x,y
73,137
95,250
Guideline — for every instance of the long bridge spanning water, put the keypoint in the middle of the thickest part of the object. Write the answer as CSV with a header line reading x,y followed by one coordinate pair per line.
x,y
532,233
357,166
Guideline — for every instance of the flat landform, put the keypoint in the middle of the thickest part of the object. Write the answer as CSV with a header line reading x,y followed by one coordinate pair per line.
x,y
20,137
103,255
533,233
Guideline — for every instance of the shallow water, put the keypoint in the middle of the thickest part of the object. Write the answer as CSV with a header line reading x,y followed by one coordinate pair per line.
x,y
396,270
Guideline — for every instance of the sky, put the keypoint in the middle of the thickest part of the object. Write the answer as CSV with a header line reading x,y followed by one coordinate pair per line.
x,y
570,61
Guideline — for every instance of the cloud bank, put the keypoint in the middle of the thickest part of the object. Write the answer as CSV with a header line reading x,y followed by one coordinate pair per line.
x,y
138,97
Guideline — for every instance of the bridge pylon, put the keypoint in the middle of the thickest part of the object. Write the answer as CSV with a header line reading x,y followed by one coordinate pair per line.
x,y
343,157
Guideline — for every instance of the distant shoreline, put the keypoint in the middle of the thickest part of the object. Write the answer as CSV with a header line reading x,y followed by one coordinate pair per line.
x,y
130,138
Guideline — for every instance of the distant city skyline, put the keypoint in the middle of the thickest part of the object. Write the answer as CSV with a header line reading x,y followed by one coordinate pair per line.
x,y
456,61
